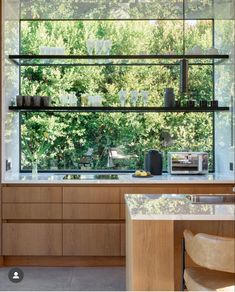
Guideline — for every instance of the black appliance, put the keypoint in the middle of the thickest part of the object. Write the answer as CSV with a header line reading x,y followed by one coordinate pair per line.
x,y
153,162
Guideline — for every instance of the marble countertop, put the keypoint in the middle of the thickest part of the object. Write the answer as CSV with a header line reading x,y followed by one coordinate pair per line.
x,y
176,207
50,178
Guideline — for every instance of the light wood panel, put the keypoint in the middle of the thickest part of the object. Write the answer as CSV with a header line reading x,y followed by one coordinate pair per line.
x,y
149,258
37,239
91,194
0,223
91,211
163,189
123,239
32,211
32,194
206,189
91,239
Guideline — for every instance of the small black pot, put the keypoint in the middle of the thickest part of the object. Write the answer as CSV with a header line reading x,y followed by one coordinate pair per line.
x,y
191,103
214,103
203,103
177,103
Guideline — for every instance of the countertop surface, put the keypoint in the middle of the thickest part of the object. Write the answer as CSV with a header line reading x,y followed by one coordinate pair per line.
x,y
178,207
50,178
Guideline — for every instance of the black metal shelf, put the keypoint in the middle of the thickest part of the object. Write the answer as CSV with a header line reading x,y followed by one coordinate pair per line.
x,y
50,60
116,109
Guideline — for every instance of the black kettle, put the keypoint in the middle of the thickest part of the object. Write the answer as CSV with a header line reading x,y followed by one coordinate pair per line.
x,y
153,162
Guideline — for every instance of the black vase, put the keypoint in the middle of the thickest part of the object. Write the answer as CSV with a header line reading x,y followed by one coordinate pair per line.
x,y
153,162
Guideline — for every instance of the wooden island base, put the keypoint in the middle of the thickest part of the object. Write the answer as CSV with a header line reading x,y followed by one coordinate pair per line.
x,y
154,251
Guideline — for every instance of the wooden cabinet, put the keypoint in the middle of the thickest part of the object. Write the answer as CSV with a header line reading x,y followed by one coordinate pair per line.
x,y
31,211
32,239
91,211
31,194
75,220
97,194
206,189
91,239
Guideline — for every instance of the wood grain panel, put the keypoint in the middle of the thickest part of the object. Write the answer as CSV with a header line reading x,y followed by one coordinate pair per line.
x,y
32,194
33,239
122,211
205,189
91,240
32,211
0,223
123,239
95,194
149,258
163,189
91,211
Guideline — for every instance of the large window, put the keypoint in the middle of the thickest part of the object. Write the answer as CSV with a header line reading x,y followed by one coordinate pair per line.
x,y
114,141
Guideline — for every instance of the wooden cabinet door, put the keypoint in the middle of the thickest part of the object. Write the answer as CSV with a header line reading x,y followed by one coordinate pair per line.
x,y
27,194
32,239
97,194
91,239
91,211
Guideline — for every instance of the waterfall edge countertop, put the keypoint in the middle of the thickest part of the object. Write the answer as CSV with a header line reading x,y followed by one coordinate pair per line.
x,y
123,178
179,207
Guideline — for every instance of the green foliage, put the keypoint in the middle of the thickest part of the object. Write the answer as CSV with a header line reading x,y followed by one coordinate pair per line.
x,y
61,140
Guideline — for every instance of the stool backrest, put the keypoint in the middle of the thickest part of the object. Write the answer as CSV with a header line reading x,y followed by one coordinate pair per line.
x,y
210,251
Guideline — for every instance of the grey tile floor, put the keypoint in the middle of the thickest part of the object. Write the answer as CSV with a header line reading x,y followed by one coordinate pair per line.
x,y
66,279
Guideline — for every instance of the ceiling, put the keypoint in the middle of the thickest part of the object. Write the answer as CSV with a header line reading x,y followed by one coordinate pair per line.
x,y
124,9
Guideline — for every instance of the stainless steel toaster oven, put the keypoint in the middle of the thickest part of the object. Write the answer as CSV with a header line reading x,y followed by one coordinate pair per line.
x,y
188,162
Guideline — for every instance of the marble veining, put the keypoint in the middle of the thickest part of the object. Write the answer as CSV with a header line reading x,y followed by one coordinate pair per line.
x,y
47,178
175,207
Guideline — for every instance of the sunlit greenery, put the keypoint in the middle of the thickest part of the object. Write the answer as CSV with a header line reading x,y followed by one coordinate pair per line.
x,y
60,140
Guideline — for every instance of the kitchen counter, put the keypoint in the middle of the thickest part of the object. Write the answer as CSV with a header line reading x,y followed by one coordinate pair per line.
x,y
50,178
177,207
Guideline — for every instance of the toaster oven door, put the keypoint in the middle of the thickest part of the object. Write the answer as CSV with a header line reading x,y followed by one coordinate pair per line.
x,y
185,163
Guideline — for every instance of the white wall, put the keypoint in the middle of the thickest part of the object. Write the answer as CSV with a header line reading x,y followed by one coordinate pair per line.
x,y
10,86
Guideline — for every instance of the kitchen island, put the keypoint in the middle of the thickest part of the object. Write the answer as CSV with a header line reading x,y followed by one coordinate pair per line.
x,y
155,225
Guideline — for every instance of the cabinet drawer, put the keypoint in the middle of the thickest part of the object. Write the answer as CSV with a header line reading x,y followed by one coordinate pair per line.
x,y
91,240
91,211
206,189
32,239
91,195
32,195
32,211
164,189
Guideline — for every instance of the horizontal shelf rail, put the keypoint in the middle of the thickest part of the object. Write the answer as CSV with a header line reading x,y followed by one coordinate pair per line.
x,y
82,57
117,109
109,60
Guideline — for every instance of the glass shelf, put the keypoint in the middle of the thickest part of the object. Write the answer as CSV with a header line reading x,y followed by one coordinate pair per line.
x,y
113,60
116,109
